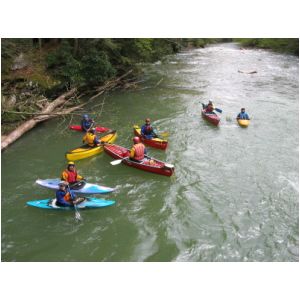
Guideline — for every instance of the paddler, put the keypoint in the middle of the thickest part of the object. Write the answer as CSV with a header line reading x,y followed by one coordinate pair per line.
x,y
91,139
70,175
86,123
243,115
138,150
209,108
147,130
64,196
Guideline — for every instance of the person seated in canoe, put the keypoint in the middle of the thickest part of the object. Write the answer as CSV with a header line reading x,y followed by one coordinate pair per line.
x,y
147,130
243,115
138,150
71,176
91,139
64,196
86,123
209,108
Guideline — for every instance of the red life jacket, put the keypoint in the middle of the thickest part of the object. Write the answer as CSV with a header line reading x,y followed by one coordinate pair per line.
x,y
72,176
148,129
139,151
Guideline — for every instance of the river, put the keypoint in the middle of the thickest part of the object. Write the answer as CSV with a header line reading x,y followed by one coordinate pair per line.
x,y
234,194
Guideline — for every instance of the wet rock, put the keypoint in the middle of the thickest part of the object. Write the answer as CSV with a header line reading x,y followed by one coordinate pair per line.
x,y
19,63
8,102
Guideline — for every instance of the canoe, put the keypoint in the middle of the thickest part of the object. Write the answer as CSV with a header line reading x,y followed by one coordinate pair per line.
x,y
87,188
85,151
98,128
155,142
243,122
88,203
149,164
211,117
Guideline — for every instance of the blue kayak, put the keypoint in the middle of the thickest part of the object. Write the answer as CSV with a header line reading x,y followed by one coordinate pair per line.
x,y
86,188
87,203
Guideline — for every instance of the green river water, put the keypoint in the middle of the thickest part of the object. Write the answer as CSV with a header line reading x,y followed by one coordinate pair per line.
x,y
234,194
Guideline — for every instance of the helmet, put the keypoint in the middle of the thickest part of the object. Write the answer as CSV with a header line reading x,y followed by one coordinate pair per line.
x,y
85,116
92,130
136,139
147,120
209,102
71,163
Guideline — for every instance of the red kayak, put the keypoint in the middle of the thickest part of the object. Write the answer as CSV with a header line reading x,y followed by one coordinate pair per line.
x,y
211,117
98,129
155,142
148,164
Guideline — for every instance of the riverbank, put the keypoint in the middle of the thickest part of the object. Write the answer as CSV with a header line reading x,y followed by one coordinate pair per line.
x,y
289,46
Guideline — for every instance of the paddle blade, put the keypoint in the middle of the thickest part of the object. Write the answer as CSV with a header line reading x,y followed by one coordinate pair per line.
x,y
218,110
116,162
164,134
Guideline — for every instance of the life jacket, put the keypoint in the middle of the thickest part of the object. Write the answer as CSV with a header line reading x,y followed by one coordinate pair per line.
x,y
89,139
72,176
209,108
139,151
148,129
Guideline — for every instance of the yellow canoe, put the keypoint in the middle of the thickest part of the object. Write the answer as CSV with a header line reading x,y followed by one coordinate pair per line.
x,y
243,123
87,151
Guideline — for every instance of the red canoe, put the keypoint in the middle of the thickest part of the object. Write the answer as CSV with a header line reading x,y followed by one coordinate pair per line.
x,y
211,117
98,129
149,164
155,142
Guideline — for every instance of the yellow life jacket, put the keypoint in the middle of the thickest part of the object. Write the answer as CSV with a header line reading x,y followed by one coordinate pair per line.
x,y
89,139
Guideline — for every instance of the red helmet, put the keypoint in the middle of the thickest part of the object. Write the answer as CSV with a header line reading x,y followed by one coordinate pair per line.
x,y
136,139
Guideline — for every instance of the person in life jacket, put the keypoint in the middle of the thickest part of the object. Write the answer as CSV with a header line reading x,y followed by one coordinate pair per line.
x,y
138,150
86,123
70,174
147,130
243,115
64,196
209,108
91,138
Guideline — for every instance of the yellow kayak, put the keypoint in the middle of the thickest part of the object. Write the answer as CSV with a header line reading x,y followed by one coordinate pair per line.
x,y
243,123
87,151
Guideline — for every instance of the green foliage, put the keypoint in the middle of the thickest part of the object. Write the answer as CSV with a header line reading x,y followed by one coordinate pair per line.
x,y
64,66
96,67
280,45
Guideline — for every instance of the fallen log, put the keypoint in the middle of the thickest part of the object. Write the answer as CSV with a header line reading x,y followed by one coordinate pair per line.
x,y
55,109
27,125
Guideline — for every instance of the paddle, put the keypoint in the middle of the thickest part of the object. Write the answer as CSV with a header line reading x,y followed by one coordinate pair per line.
x,y
77,213
117,162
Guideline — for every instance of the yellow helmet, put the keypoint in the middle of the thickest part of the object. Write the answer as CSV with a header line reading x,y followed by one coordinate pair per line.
x,y
70,163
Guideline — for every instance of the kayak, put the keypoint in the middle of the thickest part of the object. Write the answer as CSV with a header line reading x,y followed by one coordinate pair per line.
x,y
213,118
87,188
85,151
243,122
88,203
148,164
155,142
98,128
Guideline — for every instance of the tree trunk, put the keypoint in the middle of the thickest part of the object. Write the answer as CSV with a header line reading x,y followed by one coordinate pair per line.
x,y
76,44
19,131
